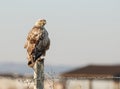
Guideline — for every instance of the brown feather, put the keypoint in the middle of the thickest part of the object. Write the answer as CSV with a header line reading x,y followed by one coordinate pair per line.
x,y
37,39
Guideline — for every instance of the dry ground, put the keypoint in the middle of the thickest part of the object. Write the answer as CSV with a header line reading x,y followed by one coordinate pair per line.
x,y
8,83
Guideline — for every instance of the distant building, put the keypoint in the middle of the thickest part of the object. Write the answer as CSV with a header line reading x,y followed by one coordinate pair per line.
x,y
93,77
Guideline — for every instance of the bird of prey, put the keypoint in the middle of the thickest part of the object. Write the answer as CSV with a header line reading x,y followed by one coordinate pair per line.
x,y
37,42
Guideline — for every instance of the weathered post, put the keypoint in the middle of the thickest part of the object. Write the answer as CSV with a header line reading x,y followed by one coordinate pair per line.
x,y
39,74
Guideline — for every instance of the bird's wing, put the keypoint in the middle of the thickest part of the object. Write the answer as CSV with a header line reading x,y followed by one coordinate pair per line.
x,y
33,36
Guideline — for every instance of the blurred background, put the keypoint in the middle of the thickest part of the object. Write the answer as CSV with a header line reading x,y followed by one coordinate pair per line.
x,y
82,32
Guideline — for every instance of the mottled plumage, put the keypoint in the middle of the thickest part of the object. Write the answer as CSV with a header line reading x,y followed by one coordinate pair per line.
x,y
37,42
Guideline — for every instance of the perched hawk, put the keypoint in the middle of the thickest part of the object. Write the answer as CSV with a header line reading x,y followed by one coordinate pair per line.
x,y
37,42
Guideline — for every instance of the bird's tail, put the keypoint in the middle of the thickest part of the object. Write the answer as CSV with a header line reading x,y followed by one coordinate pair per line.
x,y
31,63
37,54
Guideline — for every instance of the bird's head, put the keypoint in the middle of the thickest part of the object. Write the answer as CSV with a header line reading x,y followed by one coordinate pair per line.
x,y
40,23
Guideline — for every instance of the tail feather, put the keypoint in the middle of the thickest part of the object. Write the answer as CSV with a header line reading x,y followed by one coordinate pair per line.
x,y
37,53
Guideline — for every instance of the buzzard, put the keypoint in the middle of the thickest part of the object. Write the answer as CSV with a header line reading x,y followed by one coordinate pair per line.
x,y
37,42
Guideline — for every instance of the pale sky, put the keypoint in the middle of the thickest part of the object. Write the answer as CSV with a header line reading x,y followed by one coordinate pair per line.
x,y
82,32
